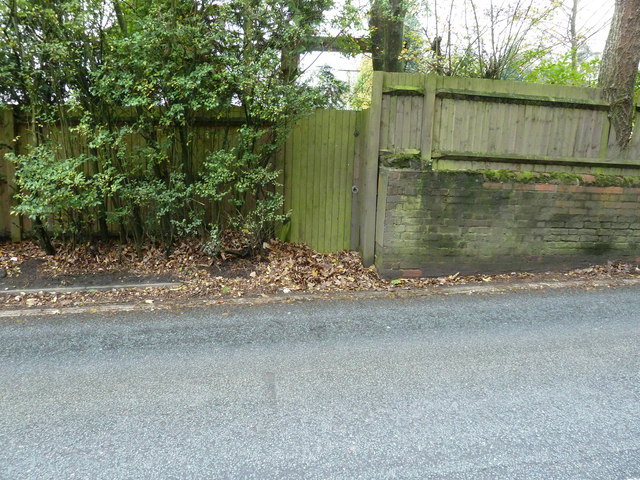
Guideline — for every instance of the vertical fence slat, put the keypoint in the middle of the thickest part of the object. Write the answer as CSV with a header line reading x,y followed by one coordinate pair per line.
x,y
6,175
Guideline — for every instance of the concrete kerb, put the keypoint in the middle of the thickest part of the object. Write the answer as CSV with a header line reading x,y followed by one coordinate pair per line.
x,y
95,288
478,289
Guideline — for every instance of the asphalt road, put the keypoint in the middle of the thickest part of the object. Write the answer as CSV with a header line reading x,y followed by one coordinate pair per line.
x,y
538,385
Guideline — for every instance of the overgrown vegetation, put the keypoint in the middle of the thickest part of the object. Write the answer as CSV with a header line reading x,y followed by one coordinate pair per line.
x,y
113,93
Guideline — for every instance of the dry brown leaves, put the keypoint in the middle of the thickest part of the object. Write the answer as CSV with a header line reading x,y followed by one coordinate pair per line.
x,y
113,257
298,267
12,255
280,268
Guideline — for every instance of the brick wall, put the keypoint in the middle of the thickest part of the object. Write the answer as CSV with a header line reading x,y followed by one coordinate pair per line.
x,y
439,223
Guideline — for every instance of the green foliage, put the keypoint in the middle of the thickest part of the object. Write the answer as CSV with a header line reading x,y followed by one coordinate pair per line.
x,y
65,194
361,94
332,91
138,76
562,71
241,176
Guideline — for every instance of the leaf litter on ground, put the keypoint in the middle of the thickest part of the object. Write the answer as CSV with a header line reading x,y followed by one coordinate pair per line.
x,y
279,268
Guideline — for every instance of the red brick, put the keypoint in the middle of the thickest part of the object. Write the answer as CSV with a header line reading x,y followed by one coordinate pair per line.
x,y
616,190
492,185
546,187
588,178
411,273
570,188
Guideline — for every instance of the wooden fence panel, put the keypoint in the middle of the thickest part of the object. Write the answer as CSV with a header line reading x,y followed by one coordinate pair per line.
x,y
318,176
487,128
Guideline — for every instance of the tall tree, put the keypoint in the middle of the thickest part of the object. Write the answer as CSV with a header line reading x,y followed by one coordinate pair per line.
x,y
619,68
386,22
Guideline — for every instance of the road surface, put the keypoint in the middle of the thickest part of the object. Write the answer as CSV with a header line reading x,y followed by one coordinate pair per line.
x,y
537,385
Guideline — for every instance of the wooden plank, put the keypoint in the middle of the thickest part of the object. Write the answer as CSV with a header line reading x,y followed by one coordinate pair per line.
x,y
595,135
446,124
525,89
511,98
495,112
337,167
531,125
428,117
482,126
570,119
328,195
381,208
385,120
395,118
305,145
416,122
580,149
587,132
345,154
357,185
550,133
6,171
324,180
457,124
370,173
561,125
435,122
407,117
506,130
472,128
537,159
317,201
316,160
320,179
349,154
604,136
519,137
403,90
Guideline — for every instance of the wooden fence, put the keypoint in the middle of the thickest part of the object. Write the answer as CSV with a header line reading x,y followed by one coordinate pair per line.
x,y
316,164
330,162
318,178
498,122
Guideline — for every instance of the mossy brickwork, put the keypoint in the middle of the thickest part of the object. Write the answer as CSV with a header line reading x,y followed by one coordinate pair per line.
x,y
439,223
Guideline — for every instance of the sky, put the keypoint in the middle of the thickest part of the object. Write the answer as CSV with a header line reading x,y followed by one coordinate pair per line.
x,y
594,18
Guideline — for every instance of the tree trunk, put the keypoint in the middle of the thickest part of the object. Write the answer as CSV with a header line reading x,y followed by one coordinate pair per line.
x,y
44,240
573,36
619,68
386,24
395,37
377,29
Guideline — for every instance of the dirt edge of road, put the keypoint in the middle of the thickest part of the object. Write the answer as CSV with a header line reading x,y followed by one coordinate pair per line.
x,y
177,305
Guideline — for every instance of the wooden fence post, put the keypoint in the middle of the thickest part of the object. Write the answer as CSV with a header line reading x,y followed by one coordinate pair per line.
x,y
369,173
428,107
8,222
